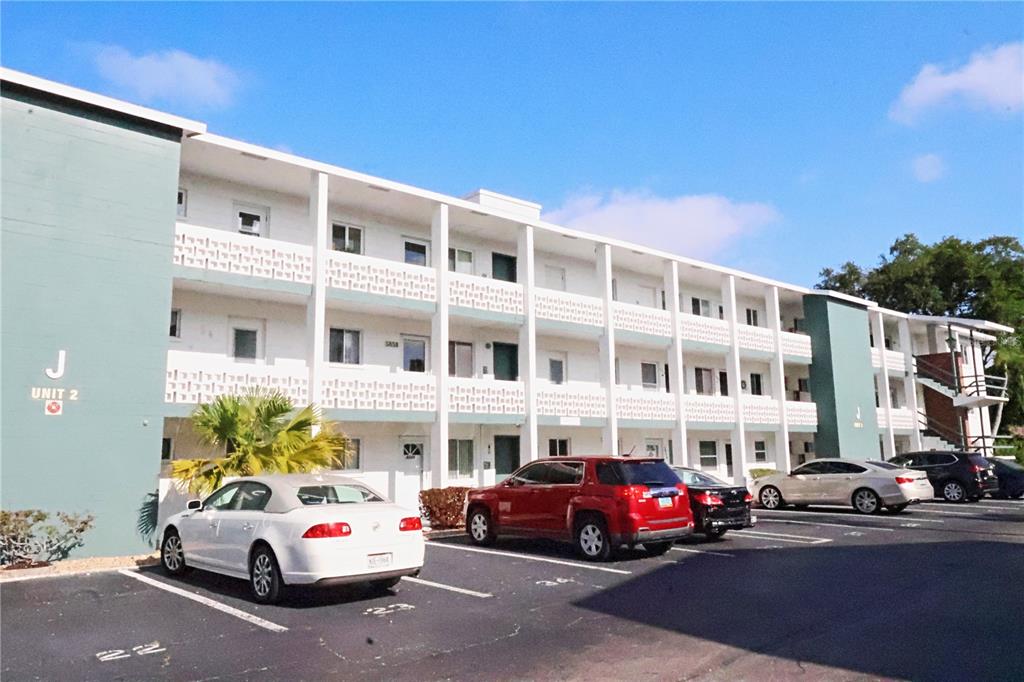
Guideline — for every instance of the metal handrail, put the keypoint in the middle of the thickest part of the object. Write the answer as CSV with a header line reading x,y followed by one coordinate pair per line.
x,y
971,384
953,437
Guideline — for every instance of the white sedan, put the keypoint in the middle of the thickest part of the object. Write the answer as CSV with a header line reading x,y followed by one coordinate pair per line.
x,y
295,529
867,486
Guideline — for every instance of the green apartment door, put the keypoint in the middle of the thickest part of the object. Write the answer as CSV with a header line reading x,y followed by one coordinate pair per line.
x,y
506,361
503,267
506,456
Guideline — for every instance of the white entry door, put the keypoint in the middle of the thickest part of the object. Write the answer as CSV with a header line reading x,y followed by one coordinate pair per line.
x,y
414,470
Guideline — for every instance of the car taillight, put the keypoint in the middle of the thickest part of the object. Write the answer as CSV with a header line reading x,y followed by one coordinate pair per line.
x,y
328,530
709,500
903,480
748,498
410,523
977,469
635,492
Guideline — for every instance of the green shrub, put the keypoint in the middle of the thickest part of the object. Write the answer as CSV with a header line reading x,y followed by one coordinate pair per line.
x,y
29,538
761,473
444,507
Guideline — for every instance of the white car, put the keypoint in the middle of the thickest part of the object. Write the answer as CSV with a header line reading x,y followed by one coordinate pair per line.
x,y
867,486
295,529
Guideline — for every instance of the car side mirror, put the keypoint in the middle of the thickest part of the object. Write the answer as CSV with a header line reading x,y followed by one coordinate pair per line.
x,y
194,505
512,483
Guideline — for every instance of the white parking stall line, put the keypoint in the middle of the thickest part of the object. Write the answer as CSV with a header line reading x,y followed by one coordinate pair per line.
x,y
701,551
976,505
231,611
845,516
946,512
450,588
529,557
824,523
780,537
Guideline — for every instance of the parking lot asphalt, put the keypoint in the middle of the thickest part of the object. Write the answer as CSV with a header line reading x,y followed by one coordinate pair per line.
x,y
931,594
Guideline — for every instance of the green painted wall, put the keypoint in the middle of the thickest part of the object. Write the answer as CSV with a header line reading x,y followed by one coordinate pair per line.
x,y
88,211
841,378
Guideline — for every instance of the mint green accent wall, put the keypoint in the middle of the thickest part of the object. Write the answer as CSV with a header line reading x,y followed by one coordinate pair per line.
x,y
841,378
88,211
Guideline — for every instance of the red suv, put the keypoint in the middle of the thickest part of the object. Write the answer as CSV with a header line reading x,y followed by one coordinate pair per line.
x,y
599,502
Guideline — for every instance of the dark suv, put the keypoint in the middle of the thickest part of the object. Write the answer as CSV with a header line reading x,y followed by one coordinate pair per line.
x,y
955,476
600,503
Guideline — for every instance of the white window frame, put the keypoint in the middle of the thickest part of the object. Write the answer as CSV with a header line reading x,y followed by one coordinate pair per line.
x,y
706,384
357,444
760,383
752,317
721,387
457,473
262,211
454,262
359,341
703,306
248,324
453,356
422,242
175,323
701,457
647,385
659,446
557,442
761,454
426,351
559,356
182,206
349,226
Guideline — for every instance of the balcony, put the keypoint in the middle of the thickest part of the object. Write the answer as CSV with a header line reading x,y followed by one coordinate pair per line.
x,y
704,333
642,320
230,253
760,411
380,393
902,419
495,299
561,307
356,277
572,404
895,361
486,400
796,347
801,416
757,339
194,378
645,408
710,410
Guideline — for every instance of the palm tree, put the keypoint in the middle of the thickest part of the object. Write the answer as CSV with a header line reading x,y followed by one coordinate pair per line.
x,y
261,433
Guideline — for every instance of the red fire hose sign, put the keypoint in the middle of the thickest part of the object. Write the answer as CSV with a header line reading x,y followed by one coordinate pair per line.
x,y
54,407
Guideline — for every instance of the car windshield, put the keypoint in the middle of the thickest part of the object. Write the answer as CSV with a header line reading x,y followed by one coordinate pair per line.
x,y
338,493
649,473
883,465
698,478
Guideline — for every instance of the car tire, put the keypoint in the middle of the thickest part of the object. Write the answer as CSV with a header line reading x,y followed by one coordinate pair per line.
x,y
385,583
895,508
479,527
265,576
657,548
715,533
592,540
770,497
172,555
866,501
954,491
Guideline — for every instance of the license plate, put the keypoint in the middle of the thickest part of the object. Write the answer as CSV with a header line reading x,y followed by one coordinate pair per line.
x,y
664,501
753,519
379,560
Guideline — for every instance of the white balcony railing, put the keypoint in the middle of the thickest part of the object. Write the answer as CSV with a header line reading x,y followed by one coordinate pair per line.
x,y
704,330
482,293
796,345
642,319
801,414
710,409
200,377
760,410
568,400
486,396
756,338
902,418
378,389
382,277
894,359
645,405
206,248
565,307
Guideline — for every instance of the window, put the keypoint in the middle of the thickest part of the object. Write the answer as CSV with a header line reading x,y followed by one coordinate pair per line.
x,y
558,447
608,474
166,449
535,474
700,306
708,454
702,381
412,450
503,267
649,374
752,317
615,289
846,468
345,346
175,331
652,474
803,385
564,473
721,312
355,454
652,447
347,238
811,469
460,260
755,384
182,202
460,359
723,383
554,277
251,497
460,458
339,493
618,375
414,354
416,252
556,368
223,498
760,451
245,344
251,220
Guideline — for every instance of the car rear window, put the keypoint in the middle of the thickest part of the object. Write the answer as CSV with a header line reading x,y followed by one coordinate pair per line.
x,y
647,472
690,477
338,493
980,461
882,465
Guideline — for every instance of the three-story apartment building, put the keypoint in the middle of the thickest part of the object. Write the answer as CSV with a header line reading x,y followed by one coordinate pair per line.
x,y
454,339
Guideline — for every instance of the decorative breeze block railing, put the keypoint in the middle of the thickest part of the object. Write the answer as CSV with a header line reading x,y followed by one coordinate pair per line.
x,y
760,410
641,319
567,401
894,359
801,414
646,405
191,382
710,408
704,329
222,251
354,272
565,307
485,396
798,345
902,418
360,390
756,338
482,293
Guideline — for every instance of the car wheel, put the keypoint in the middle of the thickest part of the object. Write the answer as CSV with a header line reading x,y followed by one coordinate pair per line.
x,y
592,539
172,556
953,491
866,501
770,497
895,508
479,527
657,548
715,533
385,583
265,576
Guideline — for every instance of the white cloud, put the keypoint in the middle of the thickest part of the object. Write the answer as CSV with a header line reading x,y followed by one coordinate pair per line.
x,y
169,76
928,167
993,79
693,225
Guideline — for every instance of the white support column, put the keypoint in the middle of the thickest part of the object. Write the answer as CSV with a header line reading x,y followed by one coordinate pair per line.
x,y
529,446
675,364
439,348
884,397
607,350
910,382
733,367
771,300
316,305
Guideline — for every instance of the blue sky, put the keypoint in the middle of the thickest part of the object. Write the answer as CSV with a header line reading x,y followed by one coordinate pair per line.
x,y
775,138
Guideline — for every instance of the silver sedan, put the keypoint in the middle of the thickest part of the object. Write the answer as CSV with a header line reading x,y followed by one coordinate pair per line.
x,y
868,486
